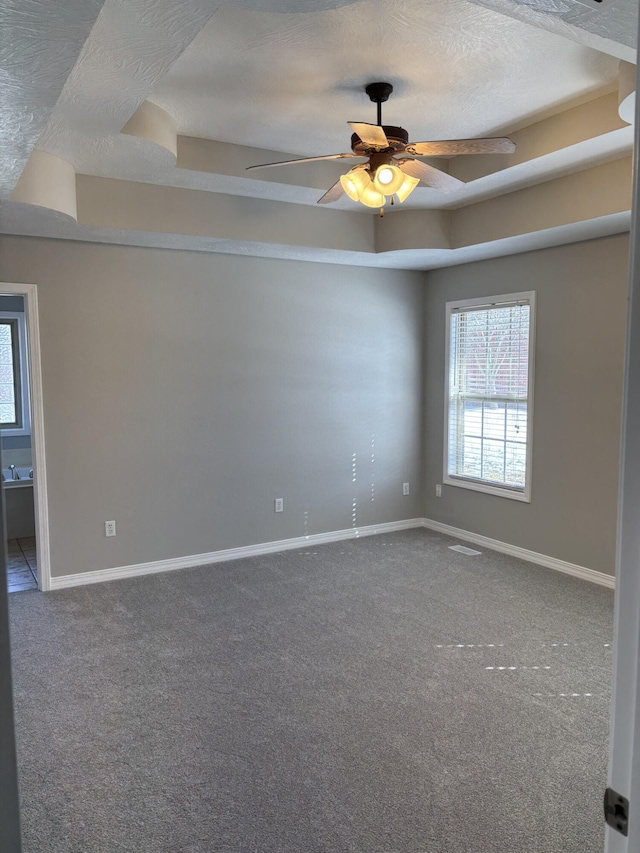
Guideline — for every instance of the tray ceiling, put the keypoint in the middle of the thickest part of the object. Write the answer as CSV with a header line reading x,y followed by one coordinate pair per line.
x,y
290,82
223,87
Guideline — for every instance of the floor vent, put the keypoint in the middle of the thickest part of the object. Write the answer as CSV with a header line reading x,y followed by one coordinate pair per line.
x,y
462,549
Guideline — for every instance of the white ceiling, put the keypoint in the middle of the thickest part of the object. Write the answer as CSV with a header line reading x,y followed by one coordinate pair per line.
x,y
257,80
39,45
610,26
290,82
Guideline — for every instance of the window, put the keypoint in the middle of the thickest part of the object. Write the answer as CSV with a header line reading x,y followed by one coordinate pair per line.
x,y
489,394
14,394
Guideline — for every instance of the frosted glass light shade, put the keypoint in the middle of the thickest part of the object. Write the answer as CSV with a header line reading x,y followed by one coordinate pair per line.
x,y
371,198
388,179
408,186
354,183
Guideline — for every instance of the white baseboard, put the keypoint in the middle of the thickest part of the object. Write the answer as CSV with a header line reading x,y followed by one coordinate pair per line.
x,y
523,553
191,561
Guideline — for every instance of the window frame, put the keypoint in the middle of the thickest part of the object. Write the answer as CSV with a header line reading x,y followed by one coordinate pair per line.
x,y
22,396
478,485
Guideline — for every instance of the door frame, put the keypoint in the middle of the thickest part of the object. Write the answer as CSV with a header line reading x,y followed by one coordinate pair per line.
x,y
40,492
624,743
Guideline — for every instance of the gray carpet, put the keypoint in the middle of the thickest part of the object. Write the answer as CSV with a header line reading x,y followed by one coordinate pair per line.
x,y
345,699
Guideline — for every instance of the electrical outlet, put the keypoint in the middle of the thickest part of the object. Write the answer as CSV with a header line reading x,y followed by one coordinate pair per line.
x,y
109,528
438,490
405,488
278,505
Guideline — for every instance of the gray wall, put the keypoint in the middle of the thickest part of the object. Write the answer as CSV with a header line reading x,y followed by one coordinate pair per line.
x,y
581,315
183,392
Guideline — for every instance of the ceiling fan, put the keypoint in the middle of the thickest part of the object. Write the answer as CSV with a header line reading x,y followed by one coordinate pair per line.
x,y
388,174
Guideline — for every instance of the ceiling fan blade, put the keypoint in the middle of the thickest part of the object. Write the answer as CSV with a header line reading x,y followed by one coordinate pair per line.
x,y
451,147
370,134
307,160
430,176
332,194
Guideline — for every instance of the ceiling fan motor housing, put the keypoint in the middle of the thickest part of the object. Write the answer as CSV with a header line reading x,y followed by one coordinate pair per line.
x,y
398,137
379,92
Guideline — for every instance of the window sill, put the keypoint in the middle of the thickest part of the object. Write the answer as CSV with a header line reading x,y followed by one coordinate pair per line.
x,y
488,489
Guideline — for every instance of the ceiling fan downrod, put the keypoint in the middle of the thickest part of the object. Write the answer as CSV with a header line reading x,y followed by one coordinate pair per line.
x,y
379,93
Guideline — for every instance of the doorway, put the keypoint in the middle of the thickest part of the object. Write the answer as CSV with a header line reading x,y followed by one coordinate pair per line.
x,y
22,436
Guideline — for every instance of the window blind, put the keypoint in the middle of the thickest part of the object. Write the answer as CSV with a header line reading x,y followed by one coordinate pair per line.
x,y
489,393
9,374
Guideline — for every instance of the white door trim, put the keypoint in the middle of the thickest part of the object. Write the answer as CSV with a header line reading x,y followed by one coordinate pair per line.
x,y
624,746
41,506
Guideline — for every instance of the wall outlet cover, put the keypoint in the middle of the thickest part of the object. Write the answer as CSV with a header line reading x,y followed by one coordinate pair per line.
x,y
278,505
405,488
109,528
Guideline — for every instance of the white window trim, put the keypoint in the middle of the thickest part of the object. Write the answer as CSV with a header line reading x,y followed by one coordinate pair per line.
x,y
25,429
479,485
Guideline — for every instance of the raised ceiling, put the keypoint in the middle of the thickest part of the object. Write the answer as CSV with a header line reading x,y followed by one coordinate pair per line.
x,y
458,70
202,92
606,25
39,46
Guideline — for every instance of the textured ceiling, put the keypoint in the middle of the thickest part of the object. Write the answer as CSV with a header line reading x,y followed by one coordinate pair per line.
x,y
39,44
130,48
290,82
610,26
253,80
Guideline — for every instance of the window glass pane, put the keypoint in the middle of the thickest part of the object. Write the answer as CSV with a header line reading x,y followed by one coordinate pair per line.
x,y
516,464
493,460
516,422
472,412
7,382
494,419
7,413
470,460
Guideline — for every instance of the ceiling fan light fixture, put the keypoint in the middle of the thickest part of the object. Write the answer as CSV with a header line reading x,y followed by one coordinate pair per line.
x,y
388,179
355,182
408,186
371,198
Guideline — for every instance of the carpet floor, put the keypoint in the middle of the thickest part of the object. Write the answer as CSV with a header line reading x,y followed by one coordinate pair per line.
x,y
381,695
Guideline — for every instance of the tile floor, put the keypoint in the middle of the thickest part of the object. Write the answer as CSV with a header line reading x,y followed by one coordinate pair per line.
x,y
22,566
